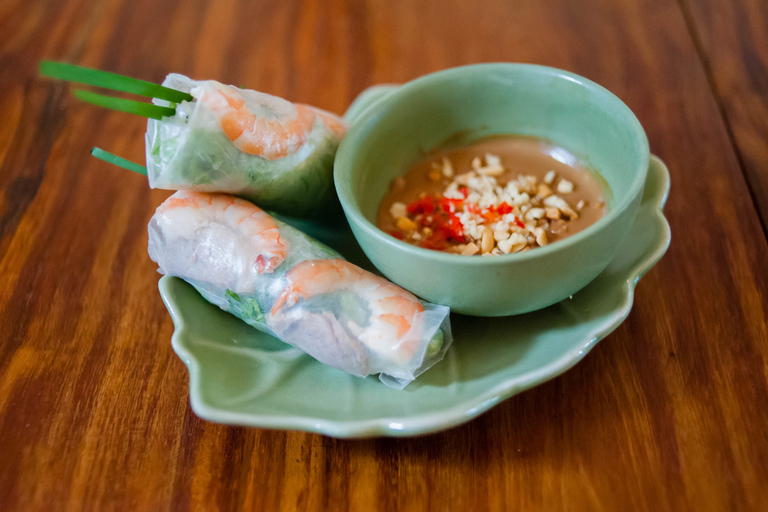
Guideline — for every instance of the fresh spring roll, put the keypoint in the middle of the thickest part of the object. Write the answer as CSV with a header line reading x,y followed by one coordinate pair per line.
x,y
268,150
284,283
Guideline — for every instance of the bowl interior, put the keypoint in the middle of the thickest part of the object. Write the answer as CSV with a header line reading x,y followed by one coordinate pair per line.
x,y
454,107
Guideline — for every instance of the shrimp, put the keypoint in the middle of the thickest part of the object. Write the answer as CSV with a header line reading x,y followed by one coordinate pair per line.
x,y
235,238
395,322
281,130
333,122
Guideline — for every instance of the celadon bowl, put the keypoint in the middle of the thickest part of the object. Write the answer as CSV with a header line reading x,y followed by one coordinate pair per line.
x,y
393,127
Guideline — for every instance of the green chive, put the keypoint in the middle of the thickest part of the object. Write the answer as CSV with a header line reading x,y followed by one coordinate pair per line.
x,y
120,162
129,106
111,81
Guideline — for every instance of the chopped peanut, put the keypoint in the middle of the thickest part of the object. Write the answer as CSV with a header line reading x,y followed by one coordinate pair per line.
x,y
447,168
405,224
565,187
463,179
470,249
544,191
491,170
492,159
500,235
398,210
488,242
534,214
505,245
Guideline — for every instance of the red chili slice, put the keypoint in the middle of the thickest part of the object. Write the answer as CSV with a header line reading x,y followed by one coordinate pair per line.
x,y
424,205
457,228
445,203
437,215
436,241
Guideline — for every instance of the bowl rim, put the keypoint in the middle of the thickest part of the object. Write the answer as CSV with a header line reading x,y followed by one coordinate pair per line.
x,y
366,123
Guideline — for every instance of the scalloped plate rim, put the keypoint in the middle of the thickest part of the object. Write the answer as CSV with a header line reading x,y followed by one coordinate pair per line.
x,y
433,421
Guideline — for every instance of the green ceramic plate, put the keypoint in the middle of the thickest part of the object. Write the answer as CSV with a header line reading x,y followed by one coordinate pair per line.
x,y
240,376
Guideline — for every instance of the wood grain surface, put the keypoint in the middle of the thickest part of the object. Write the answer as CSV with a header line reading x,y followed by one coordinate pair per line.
x,y
670,412
732,39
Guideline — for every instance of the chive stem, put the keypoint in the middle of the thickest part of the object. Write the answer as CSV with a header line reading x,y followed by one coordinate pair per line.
x,y
111,81
116,160
122,105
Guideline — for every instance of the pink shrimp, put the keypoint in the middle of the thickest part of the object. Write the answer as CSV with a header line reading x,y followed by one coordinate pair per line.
x,y
394,324
332,121
281,132
182,215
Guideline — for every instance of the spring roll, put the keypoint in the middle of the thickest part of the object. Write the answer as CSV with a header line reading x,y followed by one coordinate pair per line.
x,y
284,283
272,152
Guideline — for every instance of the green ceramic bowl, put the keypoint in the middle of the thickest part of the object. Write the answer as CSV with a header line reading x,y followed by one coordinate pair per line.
x,y
395,127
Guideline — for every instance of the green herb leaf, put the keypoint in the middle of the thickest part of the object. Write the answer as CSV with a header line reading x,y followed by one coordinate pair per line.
x,y
435,344
129,106
248,307
116,160
111,81
251,307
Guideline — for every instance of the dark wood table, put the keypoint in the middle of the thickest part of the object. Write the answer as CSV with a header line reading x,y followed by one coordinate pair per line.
x,y
670,412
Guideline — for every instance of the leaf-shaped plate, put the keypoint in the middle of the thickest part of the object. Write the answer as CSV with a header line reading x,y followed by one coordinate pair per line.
x,y
240,376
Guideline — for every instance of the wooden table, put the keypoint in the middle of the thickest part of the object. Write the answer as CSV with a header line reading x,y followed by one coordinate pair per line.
x,y
669,413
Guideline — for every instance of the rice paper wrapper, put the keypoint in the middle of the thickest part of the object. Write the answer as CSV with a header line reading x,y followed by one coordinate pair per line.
x,y
191,151
344,316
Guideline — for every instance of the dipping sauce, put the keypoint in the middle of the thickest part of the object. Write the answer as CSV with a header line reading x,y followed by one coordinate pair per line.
x,y
501,195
